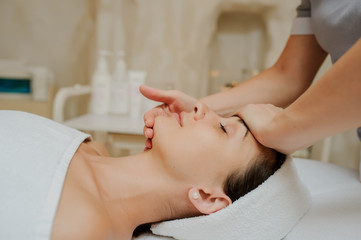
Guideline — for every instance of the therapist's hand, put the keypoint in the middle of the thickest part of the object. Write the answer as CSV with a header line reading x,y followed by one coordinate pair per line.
x,y
160,110
260,119
174,102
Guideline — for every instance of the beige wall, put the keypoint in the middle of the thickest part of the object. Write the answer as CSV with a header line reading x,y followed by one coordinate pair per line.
x,y
55,34
172,40
169,39
58,35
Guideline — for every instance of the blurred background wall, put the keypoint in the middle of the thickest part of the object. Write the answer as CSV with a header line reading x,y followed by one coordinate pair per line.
x,y
55,34
196,46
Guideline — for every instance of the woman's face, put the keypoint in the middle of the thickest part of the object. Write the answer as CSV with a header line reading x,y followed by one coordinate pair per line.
x,y
201,145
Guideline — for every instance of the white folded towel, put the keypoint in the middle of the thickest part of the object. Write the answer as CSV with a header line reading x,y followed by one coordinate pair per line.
x,y
268,212
35,153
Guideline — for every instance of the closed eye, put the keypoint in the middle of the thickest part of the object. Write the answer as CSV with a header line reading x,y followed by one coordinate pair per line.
x,y
223,128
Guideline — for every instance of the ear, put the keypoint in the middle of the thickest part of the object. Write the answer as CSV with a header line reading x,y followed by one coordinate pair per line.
x,y
208,201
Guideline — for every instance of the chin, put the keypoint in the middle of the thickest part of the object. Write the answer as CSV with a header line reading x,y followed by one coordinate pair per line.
x,y
165,124
161,130
165,131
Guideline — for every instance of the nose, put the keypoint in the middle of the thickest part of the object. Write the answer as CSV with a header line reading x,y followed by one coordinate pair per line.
x,y
200,110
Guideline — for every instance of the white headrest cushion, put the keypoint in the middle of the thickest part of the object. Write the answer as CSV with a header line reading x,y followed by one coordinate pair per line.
x,y
268,212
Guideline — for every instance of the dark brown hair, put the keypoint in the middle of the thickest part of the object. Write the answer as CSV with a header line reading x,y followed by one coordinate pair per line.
x,y
239,182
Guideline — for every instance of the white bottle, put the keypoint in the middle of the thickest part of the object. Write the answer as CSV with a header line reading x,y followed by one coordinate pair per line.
x,y
136,78
101,81
119,88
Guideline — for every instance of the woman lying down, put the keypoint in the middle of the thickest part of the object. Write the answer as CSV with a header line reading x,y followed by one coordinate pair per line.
x,y
58,184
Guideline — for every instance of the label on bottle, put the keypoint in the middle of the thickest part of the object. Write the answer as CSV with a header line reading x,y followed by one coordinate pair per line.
x,y
100,98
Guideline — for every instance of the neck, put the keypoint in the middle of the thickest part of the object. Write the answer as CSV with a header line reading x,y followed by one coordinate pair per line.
x,y
136,190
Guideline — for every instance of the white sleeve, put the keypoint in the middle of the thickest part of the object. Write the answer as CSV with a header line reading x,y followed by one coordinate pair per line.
x,y
301,26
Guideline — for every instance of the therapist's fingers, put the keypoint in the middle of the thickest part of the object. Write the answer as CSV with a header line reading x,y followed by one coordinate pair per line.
x,y
155,94
177,101
148,132
259,118
149,116
148,143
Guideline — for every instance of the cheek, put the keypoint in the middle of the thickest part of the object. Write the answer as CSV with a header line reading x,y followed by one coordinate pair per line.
x,y
198,147
193,143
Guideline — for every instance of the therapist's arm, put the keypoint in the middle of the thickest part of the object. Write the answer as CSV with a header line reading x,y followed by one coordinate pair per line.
x,y
279,85
330,106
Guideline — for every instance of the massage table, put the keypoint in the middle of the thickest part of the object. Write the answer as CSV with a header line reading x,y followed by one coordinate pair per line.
x,y
336,202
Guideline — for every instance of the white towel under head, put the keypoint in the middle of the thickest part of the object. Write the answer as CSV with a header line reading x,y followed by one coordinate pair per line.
x,y
268,212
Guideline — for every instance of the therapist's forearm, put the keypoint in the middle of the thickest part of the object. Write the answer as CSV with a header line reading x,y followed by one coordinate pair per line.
x,y
279,85
268,87
330,106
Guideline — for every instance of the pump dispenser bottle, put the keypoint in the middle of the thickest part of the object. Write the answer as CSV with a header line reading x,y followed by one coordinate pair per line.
x,y
119,88
136,78
101,81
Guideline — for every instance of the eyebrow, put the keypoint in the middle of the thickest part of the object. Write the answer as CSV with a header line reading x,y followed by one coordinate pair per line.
x,y
240,120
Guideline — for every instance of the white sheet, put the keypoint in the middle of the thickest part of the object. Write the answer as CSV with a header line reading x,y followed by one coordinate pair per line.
x,y
336,208
34,156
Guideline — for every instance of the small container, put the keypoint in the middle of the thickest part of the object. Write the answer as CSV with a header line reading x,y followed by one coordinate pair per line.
x,y
101,81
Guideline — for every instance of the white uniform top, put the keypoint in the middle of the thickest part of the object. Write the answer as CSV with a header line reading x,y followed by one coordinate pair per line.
x,y
35,153
336,24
